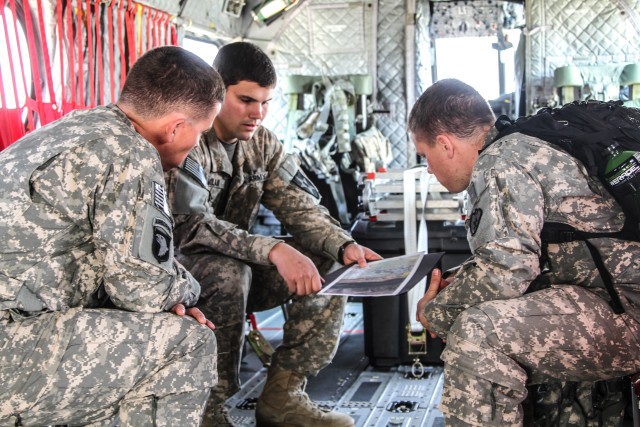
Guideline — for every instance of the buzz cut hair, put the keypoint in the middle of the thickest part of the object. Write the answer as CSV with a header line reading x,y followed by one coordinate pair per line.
x,y
243,61
449,106
170,78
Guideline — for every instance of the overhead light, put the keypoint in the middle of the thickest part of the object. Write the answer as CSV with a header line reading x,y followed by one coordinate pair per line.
x,y
269,10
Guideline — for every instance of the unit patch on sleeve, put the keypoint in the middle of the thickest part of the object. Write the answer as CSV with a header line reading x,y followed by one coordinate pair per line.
x,y
474,220
301,180
162,240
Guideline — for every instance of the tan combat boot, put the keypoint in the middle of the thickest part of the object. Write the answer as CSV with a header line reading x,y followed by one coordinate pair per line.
x,y
283,403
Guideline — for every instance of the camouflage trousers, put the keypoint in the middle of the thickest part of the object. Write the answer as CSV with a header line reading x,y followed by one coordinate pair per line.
x,y
496,348
231,288
146,369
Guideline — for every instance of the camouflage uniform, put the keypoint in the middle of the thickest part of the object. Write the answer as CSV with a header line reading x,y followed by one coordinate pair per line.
x,y
85,225
233,266
506,323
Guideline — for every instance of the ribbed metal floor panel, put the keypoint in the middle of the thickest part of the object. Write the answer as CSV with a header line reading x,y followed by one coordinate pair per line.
x,y
371,396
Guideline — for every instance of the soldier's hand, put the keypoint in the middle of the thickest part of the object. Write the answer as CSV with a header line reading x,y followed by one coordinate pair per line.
x,y
360,254
436,284
181,310
298,271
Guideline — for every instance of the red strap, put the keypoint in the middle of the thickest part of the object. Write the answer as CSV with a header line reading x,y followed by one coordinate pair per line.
x,y
121,36
110,43
97,11
253,321
140,28
130,18
12,128
60,32
90,54
30,110
70,104
80,39
174,34
140,9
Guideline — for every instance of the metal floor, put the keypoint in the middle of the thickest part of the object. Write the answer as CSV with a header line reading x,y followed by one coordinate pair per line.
x,y
372,397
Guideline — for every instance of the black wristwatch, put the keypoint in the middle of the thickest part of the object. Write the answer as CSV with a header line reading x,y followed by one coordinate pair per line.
x,y
341,251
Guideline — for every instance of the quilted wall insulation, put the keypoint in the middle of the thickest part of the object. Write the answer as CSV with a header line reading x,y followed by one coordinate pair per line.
x,y
424,76
325,38
577,32
391,80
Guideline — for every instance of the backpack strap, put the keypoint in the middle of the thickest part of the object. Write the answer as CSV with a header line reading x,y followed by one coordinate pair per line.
x,y
616,305
562,233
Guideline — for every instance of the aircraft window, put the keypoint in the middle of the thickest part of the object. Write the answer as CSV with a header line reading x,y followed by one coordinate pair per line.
x,y
475,61
16,71
205,50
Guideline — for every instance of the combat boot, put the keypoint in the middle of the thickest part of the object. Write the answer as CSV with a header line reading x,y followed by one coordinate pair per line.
x,y
284,403
217,416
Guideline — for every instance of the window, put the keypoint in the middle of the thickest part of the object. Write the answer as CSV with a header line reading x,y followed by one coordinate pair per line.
x,y
204,49
16,73
475,61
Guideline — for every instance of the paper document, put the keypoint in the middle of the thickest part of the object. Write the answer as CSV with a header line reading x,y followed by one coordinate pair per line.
x,y
390,276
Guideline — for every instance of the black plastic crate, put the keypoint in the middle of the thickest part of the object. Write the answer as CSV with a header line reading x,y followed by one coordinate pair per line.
x,y
386,318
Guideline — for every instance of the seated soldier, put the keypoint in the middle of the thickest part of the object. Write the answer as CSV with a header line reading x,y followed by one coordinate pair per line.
x,y
85,225
216,195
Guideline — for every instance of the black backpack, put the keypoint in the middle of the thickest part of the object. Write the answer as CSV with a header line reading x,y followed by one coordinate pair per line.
x,y
584,130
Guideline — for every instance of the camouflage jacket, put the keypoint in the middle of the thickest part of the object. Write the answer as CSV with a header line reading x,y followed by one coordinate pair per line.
x,y
83,217
210,217
518,184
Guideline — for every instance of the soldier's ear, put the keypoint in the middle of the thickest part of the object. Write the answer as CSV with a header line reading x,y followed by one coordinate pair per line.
x,y
445,143
172,127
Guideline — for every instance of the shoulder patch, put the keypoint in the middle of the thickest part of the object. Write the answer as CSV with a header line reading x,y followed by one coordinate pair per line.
x,y
194,169
474,221
160,199
301,180
162,240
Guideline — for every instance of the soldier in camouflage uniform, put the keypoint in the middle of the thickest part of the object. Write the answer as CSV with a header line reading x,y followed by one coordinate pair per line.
x,y
507,323
215,197
87,273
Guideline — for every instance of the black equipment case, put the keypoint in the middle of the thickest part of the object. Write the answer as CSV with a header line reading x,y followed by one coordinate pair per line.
x,y
386,338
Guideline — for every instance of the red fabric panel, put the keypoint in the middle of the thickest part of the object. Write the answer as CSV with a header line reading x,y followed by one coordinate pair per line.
x,y
13,129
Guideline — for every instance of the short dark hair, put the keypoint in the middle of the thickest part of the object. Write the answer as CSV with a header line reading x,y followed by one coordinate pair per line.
x,y
449,106
171,78
244,61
